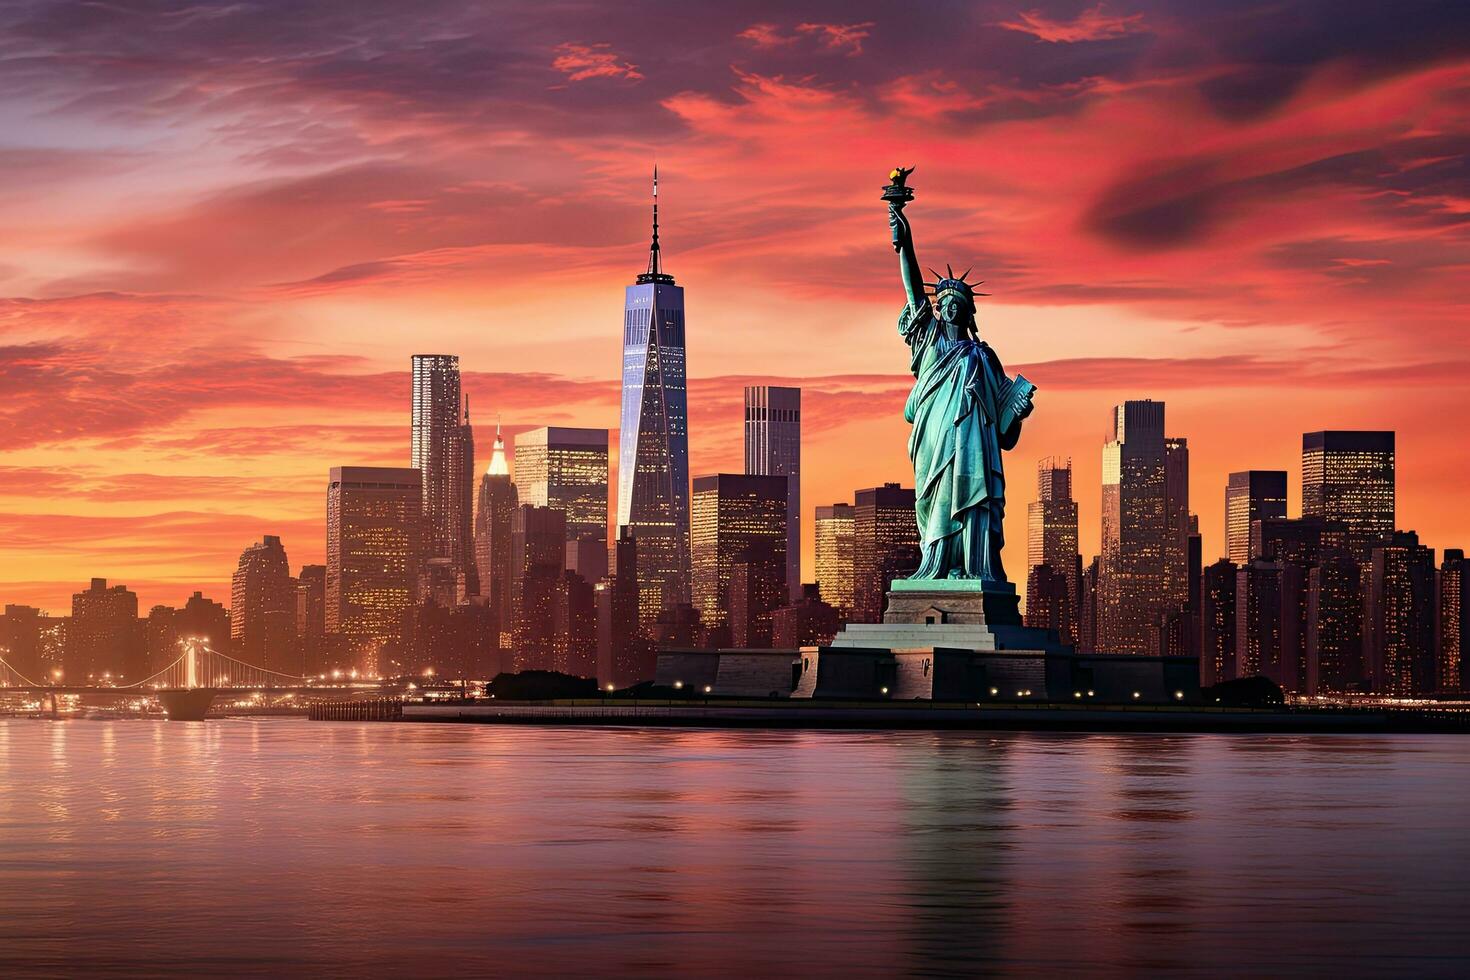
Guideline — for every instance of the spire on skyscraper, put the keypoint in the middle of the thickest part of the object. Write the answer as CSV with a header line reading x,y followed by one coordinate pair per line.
x,y
497,454
655,271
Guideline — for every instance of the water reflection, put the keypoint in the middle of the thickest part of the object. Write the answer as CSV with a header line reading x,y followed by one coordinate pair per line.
x,y
276,846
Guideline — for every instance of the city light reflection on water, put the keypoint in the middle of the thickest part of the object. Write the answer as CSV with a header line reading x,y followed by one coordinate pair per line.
x,y
284,846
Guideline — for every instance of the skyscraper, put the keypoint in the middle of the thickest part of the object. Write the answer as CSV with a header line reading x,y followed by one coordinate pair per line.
x,y
833,529
1133,587
263,608
1334,626
653,441
885,546
1258,620
1250,496
773,448
1177,522
104,640
311,617
1398,616
739,525
374,550
1349,477
1217,622
444,452
1452,671
1052,541
566,469
497,506
538,555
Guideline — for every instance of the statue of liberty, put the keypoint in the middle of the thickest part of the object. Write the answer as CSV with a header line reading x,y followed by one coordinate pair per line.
x,y
964,412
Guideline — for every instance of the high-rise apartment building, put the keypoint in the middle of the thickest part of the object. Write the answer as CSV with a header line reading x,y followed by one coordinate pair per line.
x,y
1398,616
1178,523
833,531
1052,541
444,452
263,608
1133,581
885,546
1258,620
653,439
773,448
374,554
497,505
1250,496
566,469
1452,646
1349,477
311,617
739,524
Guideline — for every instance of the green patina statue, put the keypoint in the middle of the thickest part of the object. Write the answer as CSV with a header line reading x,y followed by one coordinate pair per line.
x,y
964,411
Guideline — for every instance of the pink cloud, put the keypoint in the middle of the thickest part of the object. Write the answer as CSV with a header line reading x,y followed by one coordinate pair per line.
x,y
580,62
1093,24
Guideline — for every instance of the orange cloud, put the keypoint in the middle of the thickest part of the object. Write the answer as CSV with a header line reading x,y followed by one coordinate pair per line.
x,y
583,61
1093,24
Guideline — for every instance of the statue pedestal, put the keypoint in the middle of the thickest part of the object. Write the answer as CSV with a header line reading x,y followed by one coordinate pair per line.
x,y
967,601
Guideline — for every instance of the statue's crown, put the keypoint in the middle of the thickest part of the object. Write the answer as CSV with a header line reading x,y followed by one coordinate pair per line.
x,y
953,285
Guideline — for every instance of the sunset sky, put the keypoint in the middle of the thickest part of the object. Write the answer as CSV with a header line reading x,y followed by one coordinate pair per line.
x,y
224,229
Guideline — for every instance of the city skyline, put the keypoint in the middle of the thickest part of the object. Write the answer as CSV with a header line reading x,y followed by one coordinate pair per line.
x,y
173,389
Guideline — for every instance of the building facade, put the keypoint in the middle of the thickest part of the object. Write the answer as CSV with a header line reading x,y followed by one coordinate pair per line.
x,y
833,530
1348,476
885,546
653,435
538,553
493,516
1398,616
773,448
104,639
1217,622
566,469
1051,540
1133,586
1250,496
739,524
1452,644
444,453
374,554
263,608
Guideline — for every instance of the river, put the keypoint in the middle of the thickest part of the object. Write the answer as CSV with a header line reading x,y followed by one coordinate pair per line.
x,y
284,847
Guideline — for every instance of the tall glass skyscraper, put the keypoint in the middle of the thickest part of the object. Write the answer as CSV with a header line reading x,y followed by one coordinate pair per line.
x,y
773,448
653,442
1251,495
444,452
1349,477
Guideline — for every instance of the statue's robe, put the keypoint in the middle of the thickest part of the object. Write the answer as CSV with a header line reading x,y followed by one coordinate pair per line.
x,y
955,446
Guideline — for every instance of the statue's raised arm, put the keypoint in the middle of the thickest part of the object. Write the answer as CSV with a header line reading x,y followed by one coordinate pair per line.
x,y
897,194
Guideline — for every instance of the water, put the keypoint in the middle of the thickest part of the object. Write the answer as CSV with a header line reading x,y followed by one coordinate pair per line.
x,y
275,846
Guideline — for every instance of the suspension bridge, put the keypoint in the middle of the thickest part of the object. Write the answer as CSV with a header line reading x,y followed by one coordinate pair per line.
x,y
188,686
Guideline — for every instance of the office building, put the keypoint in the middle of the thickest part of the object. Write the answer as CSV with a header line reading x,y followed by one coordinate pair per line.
x,y
538,552
1349,477
1452,670
739,520
104,639
1052,541
1250,496
374,554
1398,616
653,438
566,469
444,453
263,608
773,448
885,546
497,505
1134,586
1334,628
1217,622
833,529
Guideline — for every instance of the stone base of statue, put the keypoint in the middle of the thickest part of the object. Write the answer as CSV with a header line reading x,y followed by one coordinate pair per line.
x,y
955,614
